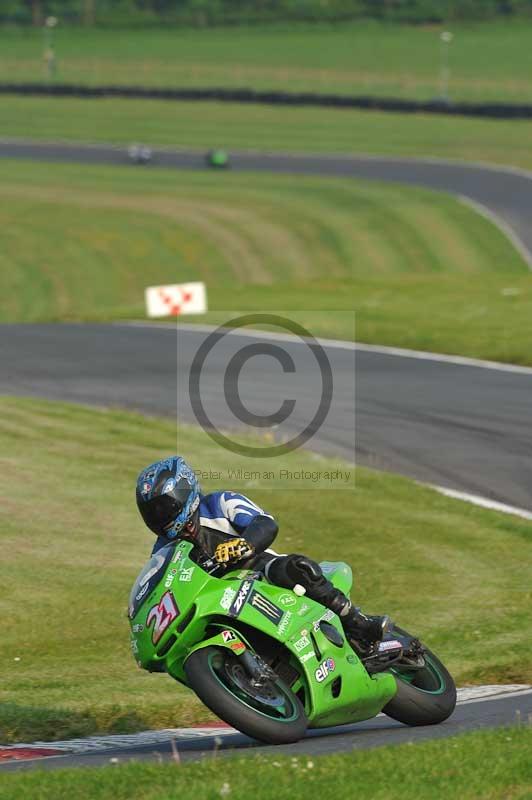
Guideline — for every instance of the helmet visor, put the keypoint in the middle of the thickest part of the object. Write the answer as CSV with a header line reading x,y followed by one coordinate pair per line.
x,y
161,512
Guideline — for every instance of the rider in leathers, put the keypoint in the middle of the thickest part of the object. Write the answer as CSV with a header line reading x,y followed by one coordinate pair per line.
x,y
230,528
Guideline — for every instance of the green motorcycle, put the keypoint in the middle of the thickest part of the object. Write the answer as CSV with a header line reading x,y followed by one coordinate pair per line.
x,y
272,662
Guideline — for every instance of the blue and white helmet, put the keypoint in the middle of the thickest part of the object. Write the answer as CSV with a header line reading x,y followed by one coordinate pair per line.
x,y
168,497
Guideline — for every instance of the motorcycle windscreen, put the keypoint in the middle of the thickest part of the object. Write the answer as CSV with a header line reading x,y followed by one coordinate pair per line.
x,y
149,577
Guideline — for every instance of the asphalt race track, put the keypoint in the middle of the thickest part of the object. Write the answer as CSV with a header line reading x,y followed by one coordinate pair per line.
x,y
474,715
458,425
464,427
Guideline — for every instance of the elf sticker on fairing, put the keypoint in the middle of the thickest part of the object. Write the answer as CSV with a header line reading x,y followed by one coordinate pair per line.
x,y
170,578
324,669
242,595
266,607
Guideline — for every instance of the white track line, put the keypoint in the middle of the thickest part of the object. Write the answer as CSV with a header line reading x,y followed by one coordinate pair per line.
x,y
399,352
95,744
462,361
499,223
483,502
480,694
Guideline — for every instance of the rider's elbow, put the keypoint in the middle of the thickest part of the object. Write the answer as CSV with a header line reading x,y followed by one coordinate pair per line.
x,y
261,532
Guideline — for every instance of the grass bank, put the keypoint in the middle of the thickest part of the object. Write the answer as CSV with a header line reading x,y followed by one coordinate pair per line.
x,y
487,61
73,543
420,269
432,770
268,128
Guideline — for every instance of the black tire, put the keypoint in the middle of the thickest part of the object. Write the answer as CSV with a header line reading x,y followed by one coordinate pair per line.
x,y
214,674
424,697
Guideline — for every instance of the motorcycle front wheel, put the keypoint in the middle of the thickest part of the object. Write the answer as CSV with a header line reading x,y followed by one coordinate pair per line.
x,y
425,696
270,712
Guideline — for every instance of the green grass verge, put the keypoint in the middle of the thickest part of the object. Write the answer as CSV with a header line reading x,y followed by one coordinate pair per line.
x,y
485,765
488,61
268,128
73,543
420,269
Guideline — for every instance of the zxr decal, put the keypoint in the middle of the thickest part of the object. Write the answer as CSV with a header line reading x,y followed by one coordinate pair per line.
x,y
162,615
241,597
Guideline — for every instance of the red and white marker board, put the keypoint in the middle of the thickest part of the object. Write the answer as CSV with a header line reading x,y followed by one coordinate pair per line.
x,y
176,299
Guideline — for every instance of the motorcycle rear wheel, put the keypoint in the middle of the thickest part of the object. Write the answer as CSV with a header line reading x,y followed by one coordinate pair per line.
x,y
270,713
424,696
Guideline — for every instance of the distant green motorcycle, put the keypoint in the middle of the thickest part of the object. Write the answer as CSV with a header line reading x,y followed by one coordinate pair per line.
x,y
270,662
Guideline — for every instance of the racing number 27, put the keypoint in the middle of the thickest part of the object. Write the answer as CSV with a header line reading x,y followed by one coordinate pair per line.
x,y
162,615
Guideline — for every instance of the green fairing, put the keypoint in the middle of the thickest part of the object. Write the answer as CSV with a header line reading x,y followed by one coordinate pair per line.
x,y
199,598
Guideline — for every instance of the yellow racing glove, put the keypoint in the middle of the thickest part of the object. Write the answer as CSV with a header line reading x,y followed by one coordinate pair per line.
x,y
233,550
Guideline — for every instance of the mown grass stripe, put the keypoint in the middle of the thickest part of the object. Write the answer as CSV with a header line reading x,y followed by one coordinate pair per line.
x,y
419,270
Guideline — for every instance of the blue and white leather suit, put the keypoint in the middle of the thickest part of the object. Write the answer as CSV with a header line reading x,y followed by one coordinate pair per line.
x,y
222,516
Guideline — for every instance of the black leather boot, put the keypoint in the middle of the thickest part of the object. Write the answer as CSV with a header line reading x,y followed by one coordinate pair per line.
x,y
298,569
367,630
